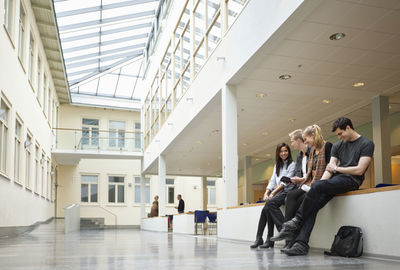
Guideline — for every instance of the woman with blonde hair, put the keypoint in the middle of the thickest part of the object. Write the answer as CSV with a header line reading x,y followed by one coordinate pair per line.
x,y
319,157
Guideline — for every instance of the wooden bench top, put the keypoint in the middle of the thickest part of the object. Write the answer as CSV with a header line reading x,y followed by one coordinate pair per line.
x,y
356,192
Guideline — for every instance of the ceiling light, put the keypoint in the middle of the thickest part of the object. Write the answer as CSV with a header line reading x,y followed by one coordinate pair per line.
x,y
358,84
257,159
285,77
264,133
337,36
327,101
260,95
291,120
245,144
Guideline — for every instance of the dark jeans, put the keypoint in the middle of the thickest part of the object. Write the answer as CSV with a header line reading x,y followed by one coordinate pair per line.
x,y
271,214
320,194
294,199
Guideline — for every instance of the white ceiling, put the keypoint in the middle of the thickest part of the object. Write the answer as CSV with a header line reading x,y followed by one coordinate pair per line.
x,y
320,69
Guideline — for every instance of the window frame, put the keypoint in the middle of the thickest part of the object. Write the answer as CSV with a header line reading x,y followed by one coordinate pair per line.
x,y
92,143
117,131
22,23
135,185
83,182
28,160
4,134
116,189
209,187
17,144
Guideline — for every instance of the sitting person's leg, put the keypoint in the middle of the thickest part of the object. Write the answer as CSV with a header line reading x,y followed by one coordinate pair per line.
x,y
262,222
294,199
275,216
336,185
300,244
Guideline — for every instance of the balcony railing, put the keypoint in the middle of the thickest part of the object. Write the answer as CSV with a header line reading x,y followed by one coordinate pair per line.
x,y
201,26
94,139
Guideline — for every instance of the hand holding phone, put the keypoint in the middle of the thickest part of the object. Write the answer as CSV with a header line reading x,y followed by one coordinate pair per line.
x,y
285,180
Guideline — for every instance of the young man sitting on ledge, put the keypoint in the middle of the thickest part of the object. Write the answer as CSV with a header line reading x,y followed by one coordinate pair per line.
x,y
350,158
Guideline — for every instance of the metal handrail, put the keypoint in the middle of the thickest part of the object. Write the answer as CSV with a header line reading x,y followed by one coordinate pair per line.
x,y
77,129
99,206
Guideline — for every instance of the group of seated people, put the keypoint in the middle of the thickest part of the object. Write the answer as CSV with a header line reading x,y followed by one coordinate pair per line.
x,y
321,171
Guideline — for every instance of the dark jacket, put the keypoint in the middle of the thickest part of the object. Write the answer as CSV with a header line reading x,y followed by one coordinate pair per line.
x,y
181,206
299,159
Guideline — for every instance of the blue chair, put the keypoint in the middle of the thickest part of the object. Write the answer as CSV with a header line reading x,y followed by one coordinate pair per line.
x,y
384,185
212,222
200,219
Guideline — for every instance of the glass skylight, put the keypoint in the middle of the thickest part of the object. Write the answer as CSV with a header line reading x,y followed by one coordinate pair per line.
x,y
103,43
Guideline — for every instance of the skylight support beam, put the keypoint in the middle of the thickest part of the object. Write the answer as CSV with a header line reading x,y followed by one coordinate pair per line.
x,y
105,7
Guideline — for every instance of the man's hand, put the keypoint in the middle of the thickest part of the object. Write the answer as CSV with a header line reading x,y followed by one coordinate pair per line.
x,y
331,167
296,180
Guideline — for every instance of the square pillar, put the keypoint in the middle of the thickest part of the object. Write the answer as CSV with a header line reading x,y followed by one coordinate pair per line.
x,y
248,194
381,137
204,192
162,211
229,146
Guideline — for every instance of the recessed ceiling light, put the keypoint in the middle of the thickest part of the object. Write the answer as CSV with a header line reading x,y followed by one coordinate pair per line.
x,y
327,101
292,120
264,133
337,36
358,84
285,77
245,144
260,95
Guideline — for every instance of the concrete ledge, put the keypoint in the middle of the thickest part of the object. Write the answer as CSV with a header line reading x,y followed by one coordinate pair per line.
x,y
184,223
373,210
158,224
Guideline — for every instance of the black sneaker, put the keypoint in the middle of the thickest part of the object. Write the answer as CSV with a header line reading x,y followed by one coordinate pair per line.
x,y
284,234
268,244
291,225
297,249
288,245
257,243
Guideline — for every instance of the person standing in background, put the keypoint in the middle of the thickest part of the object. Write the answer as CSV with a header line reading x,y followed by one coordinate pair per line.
x,y
181,205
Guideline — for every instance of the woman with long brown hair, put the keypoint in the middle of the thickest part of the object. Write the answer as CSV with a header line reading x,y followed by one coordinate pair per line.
x,y
274,196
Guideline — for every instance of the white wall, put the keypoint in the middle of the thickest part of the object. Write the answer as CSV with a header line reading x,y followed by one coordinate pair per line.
x,y
22,205
376,214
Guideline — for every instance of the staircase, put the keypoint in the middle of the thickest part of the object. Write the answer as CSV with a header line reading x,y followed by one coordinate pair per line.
x,y
92,223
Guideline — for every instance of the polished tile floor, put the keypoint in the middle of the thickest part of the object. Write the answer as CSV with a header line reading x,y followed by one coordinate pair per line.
x,y
48,248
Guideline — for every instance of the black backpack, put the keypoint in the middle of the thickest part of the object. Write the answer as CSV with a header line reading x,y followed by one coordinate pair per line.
x,y
348,242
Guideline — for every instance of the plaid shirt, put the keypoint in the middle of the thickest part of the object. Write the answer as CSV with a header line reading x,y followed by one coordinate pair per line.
x,y
322,161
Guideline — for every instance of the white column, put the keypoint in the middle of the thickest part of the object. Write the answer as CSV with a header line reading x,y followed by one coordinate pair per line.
x,y
161,186
248,194
229,146
381,135
204,193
